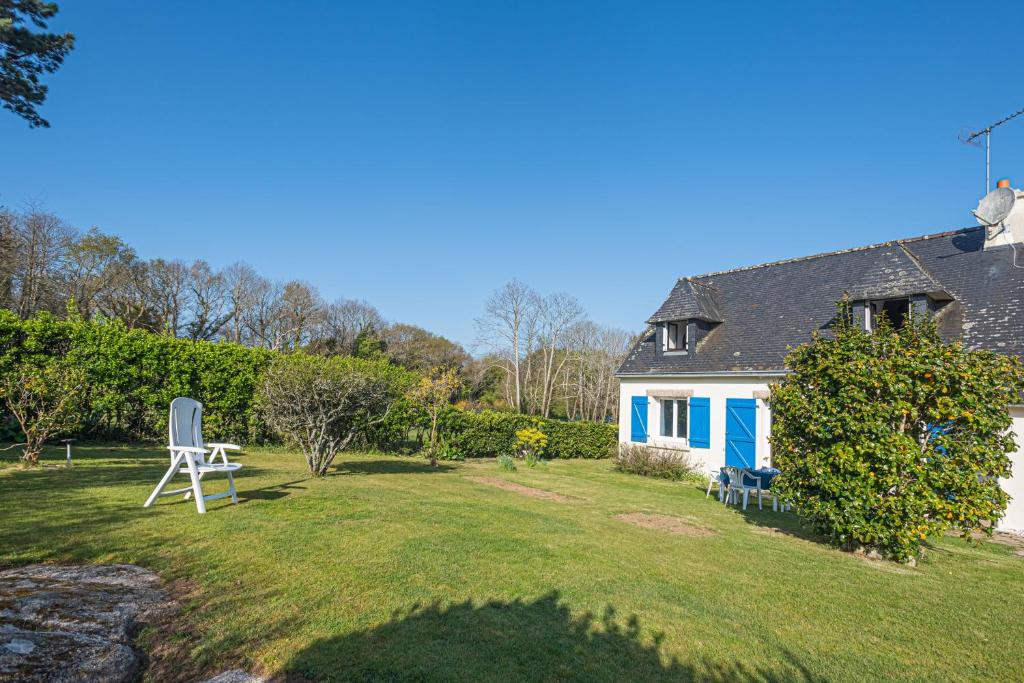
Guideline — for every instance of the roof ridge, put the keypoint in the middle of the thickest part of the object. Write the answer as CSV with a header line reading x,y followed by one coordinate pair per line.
x,y
837,252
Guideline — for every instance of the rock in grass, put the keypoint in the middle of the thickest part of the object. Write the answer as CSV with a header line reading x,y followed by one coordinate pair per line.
x,y
60,623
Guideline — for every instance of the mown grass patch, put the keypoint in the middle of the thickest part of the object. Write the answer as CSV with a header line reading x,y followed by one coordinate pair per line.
x,y
391,569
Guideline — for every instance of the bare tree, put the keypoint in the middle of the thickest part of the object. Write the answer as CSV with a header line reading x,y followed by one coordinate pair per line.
x,y
259,314
167,290
38,239
244,285
300,312
344,320
208,302
589,386
127,297
557,315
508,329
8,256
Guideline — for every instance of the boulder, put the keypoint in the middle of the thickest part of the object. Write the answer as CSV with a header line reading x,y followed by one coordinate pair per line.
x,y
61,623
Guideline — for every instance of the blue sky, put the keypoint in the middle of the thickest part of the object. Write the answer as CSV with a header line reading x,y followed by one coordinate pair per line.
x,y
418,155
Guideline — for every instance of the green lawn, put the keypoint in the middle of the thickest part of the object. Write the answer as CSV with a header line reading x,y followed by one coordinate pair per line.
x,y
390,570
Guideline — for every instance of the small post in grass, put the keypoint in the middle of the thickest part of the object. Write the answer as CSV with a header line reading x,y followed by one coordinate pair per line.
x,y
68,442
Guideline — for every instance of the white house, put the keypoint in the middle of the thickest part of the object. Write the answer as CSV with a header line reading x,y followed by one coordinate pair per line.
x,y
698,379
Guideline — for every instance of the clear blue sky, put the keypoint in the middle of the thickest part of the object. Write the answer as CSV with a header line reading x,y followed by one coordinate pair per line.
x,y
418,155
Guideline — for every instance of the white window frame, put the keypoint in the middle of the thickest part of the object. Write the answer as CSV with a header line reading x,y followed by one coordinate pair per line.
x,y
672,343
684,439
871,304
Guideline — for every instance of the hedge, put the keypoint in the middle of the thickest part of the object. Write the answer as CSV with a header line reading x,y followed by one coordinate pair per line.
x,y
133,375
490,433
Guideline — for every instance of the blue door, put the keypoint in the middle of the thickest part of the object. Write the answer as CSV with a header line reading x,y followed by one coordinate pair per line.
x,y
740,432
638,424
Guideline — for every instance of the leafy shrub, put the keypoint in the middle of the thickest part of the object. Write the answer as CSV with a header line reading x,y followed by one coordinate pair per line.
x,y
531,442
506,463
396,431
889,437
44,396
448,452
433,394
322,404
636,458
489,432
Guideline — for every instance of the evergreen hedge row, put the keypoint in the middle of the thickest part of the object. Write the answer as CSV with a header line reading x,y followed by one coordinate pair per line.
x,y
133,375
491,433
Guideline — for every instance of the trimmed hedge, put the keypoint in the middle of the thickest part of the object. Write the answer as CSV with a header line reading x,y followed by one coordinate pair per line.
x,y
490,433
133,375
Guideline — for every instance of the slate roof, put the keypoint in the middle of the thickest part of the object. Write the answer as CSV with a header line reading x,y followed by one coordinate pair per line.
x,y
689,299
764,310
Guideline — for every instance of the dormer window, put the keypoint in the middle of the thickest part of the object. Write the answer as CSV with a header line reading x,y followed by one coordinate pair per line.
x,y
896,310
675,336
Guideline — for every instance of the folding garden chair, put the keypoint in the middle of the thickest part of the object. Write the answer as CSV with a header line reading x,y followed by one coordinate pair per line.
x,y
714,474
188,455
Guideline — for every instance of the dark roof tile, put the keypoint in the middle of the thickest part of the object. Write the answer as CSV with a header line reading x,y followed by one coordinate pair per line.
x,y
765,310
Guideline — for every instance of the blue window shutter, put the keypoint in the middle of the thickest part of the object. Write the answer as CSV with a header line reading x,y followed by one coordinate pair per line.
x,y
638,422
700,422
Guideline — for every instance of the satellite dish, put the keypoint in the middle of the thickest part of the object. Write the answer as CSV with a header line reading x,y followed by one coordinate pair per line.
x,y
995,206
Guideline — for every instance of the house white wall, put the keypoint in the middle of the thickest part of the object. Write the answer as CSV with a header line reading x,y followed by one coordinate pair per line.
x,y
717,389
1014,519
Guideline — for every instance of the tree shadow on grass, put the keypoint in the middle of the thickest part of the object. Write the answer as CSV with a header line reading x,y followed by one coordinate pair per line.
x,y
517,641
273,492
390,466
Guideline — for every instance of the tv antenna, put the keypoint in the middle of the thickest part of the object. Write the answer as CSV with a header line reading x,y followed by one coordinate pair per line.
x,y
970,137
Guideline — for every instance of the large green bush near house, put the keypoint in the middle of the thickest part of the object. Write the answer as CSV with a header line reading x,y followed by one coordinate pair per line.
x,y
890,437
131,376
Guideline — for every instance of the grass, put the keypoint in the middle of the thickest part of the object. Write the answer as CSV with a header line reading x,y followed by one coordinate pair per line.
x,y
389,569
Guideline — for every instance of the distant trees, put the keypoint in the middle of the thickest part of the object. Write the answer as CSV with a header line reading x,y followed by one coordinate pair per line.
x,y
25,55
552,359
46,265
543,357
418,349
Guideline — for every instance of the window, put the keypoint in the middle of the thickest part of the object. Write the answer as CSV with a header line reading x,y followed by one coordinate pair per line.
x,y
896,310
673,418
675,336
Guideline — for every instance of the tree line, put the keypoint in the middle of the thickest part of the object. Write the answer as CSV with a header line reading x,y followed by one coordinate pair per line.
x,y
542,355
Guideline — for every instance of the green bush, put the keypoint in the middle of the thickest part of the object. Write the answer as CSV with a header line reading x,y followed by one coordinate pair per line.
x,y
580,439
131,376
506,463
448,452
484,434
636,458
889,437
322,404
489,433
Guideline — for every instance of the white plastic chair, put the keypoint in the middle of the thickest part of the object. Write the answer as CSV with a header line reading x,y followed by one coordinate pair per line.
x,y
742,481
715,474
188,455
